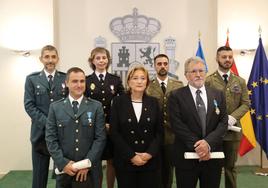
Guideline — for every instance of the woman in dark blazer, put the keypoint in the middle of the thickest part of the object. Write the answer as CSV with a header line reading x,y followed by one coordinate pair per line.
x,y
103,86
136,133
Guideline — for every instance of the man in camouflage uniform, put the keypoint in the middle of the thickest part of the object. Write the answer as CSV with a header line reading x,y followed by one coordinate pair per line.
x,y
160,87
237,103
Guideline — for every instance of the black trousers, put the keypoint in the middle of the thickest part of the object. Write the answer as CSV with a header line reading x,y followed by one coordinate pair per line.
x,y
66,181
167,169
138,179
209,176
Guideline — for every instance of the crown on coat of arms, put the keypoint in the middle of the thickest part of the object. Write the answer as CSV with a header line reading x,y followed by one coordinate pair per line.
x,y
135,28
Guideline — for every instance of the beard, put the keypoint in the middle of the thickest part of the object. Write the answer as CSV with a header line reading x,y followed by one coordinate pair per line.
x,y
225,66
162,72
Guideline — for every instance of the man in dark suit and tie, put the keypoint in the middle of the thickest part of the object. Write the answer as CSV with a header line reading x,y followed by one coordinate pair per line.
x,y
75,131
41,89
199,120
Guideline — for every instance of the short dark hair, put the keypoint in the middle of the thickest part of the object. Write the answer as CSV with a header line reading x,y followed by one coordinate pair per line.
x,y
224,48
49,48
73,69
161,55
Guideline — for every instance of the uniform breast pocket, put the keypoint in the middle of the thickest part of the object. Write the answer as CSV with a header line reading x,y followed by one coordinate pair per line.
x,y
40,94
61,128
87,128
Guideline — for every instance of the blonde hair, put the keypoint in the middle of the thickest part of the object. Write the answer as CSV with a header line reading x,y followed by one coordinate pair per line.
x,y
131,72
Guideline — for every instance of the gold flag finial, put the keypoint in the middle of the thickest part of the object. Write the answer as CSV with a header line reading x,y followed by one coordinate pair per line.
x,y
228,31
260,30
199,35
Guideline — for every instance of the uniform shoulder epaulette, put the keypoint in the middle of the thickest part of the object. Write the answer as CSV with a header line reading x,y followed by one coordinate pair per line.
x,y
93,100
58,101
178,81
35,73
63,73
115,75
89,76
212,74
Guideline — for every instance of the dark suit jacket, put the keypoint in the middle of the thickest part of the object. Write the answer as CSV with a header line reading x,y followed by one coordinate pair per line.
x,y
71,137
187,126
130,136
104,93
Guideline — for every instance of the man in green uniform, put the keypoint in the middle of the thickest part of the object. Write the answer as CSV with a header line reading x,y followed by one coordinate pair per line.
x,y
160,87
41,89
237,103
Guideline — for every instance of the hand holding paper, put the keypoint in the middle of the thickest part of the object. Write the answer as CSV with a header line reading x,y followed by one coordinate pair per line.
x,y
86,163
231,120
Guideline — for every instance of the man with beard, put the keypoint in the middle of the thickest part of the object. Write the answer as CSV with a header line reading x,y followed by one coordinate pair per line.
x,y
237,103
160,87
41,89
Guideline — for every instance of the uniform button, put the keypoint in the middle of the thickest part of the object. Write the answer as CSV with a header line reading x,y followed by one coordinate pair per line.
x,y
51,92
102,84
145,131
142,141
165,105
136,142
76,140
165,98
132,132
104,107
90,124
76,130
103,99
145,109
91,93
228,89
60,125
76,121
165,113
37,93
148,119
77,149
165,121
51,100
102,91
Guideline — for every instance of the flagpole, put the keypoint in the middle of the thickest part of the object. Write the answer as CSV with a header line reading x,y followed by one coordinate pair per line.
x,y
261,171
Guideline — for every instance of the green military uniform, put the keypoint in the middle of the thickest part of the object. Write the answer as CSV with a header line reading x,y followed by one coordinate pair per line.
x,y
37,98
154,89
237,102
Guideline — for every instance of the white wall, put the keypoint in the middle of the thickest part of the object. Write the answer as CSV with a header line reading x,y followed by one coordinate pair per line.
x,y
78,24
29,25
23,25
243,18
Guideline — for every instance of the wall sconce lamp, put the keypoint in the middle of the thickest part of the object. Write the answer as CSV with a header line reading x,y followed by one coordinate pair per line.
x,y
23,53
247,51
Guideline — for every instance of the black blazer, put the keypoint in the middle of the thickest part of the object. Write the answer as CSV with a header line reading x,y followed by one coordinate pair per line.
x,y
130,136
186,125
104,93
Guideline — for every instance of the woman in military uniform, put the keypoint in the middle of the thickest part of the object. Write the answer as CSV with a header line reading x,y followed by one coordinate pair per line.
x,y
137,133
103,86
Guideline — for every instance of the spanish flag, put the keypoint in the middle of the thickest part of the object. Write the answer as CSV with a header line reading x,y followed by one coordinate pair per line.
x,y
248,141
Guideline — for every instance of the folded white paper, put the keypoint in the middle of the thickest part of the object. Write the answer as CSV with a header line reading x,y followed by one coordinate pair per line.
x,y
213,155
78,165
234,128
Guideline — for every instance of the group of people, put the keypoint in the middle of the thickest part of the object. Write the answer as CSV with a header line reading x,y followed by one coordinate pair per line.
x,y
142,131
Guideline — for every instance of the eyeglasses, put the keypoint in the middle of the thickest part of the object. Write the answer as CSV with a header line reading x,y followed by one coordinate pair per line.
x,y
162,63
200,71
